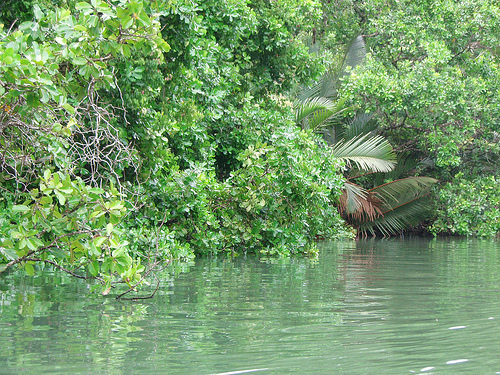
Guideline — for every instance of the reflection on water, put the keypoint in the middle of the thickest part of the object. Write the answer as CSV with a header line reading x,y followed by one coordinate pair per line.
x,y
368,307
49,326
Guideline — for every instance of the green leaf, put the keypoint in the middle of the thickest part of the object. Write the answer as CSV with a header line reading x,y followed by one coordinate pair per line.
x,y
37,242
32,100
8,52
121,13
114,219
94,288
8,56
135,7
144,18
25,25
101,221
45,96
69,108
56,179
126,22
93,251
20,208
10,77
81,28
29,269
107,265
64,14
94,268
16,234
76,245
109,228
125,50
37,12
7,253
163,45
84,71
31,244
79,61
124,261
84,6
116,253
98,241
97,213
61,198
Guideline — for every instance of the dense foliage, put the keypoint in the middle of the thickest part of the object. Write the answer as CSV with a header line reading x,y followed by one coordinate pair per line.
x,y
159,146
469,207
180,113
431,78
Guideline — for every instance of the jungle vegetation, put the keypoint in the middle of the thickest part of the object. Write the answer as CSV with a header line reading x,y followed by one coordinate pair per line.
x,y
135,132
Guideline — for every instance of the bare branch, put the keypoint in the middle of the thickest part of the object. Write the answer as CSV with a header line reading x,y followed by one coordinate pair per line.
x,y
142,297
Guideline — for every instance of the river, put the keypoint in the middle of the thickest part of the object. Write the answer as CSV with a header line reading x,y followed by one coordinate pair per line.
x,y
395,306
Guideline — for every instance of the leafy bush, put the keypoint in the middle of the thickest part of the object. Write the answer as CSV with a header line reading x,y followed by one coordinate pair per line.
x,y
469,207
288,191
196,133
73,227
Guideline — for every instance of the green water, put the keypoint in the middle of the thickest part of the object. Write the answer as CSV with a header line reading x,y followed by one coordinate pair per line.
x,y
368,307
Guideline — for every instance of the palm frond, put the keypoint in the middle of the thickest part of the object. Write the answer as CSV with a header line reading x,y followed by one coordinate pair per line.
x,y
398,219
327,86
390,207
331,131
311,105
405,163
358,204
352,197
314,113
398,193
403,205
360,124
355,55
366,152
330,85
324,87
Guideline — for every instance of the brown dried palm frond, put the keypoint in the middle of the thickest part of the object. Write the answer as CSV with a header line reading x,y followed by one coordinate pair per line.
x,y
358,204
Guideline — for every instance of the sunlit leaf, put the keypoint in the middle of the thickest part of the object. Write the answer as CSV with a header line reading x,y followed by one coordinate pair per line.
x,y
98,241
29,269
20,208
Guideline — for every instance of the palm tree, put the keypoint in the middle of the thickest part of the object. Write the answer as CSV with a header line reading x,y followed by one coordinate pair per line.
x,y
388,208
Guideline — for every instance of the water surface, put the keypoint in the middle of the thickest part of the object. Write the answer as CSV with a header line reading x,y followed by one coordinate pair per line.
x,y
368,307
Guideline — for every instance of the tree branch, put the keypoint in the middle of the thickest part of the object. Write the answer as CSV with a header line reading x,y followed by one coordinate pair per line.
x,y
57,266
141,280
